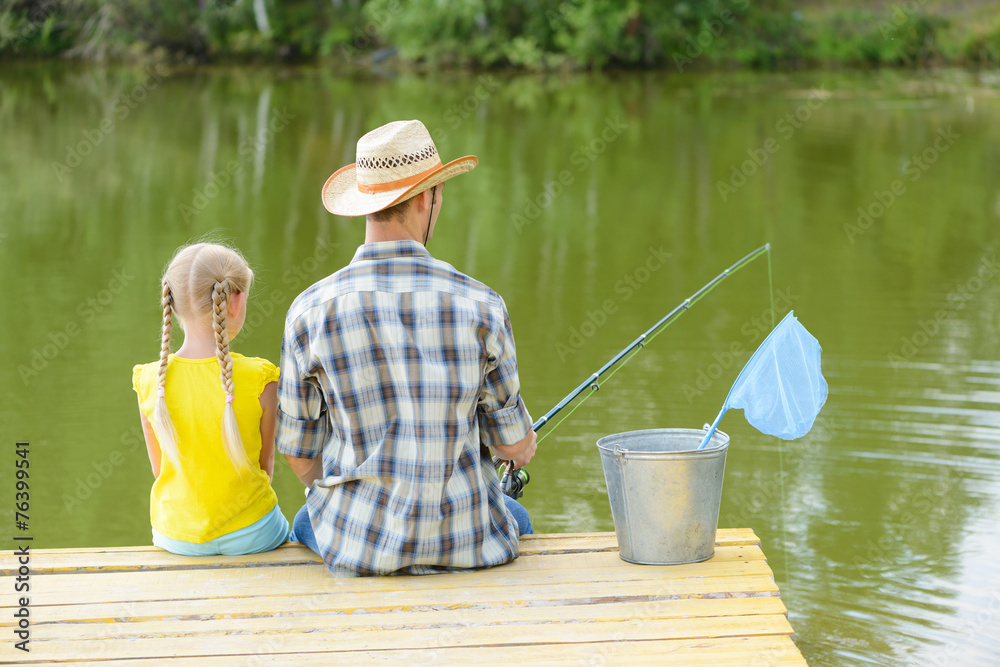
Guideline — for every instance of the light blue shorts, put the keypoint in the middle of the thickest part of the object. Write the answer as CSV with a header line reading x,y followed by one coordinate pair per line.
x,y
268,532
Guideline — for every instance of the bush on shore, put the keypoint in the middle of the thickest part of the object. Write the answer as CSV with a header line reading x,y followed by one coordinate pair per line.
x,y
531,34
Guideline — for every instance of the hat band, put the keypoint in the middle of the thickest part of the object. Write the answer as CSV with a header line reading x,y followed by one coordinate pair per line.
x,y
375,188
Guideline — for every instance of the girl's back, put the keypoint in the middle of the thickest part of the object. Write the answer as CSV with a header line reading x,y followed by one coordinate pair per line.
x,y
207,497
208,415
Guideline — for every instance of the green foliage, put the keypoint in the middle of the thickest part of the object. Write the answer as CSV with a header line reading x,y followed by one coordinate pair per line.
x,y
175,25
484,32
198,29
592,33
602,31
983,49
531,34
845,43
33,28
435,31
916,39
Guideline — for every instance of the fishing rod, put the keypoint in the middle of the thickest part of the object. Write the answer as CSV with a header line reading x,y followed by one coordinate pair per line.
x,y
513,481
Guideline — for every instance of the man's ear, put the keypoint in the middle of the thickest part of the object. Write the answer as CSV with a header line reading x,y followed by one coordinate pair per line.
x,y
423,201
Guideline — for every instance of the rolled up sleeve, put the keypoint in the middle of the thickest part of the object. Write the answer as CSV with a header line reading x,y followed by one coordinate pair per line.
x,y
303,423
503,417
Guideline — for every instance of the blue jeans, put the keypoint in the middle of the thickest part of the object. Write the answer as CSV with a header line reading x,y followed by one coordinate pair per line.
x,y
302,530
520,515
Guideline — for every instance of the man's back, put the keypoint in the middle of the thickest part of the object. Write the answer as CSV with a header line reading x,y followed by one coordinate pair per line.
x,y
396,368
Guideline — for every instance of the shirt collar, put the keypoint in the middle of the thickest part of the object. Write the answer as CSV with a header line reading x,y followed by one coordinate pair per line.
x,y
389,250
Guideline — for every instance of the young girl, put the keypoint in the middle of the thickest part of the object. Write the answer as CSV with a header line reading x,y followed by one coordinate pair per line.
x,y
210,434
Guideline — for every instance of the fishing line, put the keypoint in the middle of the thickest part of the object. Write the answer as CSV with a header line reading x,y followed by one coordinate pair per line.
x,y
781,446
594,381
626,355
770,290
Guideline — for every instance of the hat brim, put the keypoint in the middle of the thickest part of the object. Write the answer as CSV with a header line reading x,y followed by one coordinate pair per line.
x,y
342,197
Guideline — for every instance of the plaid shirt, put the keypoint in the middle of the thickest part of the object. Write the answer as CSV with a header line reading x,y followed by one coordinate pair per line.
x,y
399,370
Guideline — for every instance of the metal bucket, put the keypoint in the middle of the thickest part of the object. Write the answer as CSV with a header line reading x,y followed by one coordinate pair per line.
x,y
665,493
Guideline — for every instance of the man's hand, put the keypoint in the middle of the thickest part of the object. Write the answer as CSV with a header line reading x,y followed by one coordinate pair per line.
x,y
519,453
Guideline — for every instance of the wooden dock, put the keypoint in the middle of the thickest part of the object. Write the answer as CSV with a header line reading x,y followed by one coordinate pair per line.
x,y
568,599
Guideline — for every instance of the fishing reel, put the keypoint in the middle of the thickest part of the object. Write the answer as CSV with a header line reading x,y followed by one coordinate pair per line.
x,y
513,483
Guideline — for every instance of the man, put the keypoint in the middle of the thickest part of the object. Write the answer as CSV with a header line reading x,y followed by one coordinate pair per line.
x,y
397,373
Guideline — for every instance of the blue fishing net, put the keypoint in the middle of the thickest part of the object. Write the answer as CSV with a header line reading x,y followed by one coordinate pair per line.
x,y
782,389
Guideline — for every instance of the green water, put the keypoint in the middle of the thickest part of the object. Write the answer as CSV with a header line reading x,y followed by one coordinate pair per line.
x,y
883,534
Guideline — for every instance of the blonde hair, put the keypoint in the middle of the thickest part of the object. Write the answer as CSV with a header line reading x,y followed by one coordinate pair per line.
x,y
197,285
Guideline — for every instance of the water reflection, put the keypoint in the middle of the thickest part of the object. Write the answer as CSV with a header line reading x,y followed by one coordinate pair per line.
x,y
880,529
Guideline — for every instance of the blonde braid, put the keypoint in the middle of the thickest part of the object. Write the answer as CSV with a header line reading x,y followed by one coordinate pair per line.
x,y
168,324
231,438
162,425
220,301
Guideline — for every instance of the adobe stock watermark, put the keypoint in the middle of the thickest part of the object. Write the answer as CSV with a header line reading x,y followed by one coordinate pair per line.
x,y
457,113
221,179
223,9
625,287
914,168
899,16
956,299
365,35
757,157
293,278
87,311
106,640
93,477
754,329
775,654
37,17
121,108
968,631
711,29
756,499
925,503
609,650
581,158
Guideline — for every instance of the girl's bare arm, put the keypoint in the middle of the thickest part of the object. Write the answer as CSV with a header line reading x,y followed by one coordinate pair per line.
x,y
269,404
152,444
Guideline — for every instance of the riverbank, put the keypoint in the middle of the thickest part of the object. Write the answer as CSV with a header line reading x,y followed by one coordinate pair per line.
x,y
522,34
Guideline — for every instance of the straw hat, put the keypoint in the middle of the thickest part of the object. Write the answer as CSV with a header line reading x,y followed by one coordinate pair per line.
x,y
394,162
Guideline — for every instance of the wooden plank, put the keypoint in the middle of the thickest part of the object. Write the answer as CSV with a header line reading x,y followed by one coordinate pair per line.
x,y
305,620
532,562
149,557
288,640
207,608
568,599
519,596
727,536
63,564
731,651
681,580
153,558
598,566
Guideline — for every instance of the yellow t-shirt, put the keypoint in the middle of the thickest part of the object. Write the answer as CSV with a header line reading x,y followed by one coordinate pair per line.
x,y
206,498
